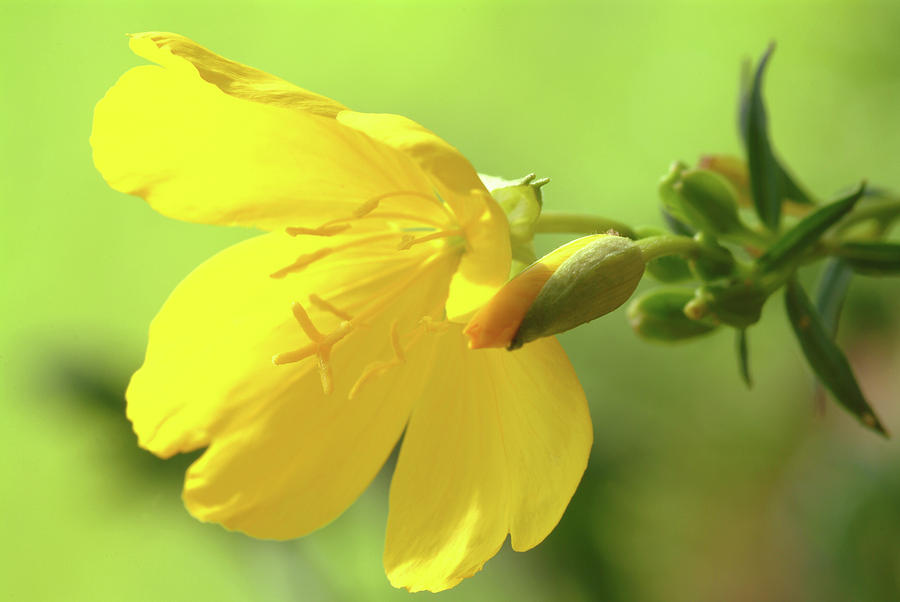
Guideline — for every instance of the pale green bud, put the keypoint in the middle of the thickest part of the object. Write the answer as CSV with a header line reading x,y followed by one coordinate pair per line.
x,y
592,282
522,202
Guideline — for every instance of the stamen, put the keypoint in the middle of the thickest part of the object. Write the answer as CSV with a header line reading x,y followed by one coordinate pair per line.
x,y
377,368
301,262
304,260
366,208
323,230
431,326
323,304
305,323
407,241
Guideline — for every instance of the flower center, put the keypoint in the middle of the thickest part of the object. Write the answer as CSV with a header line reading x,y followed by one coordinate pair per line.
x,y
408,230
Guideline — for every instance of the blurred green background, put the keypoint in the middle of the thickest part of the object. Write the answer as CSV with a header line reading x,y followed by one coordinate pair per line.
x,y
697,489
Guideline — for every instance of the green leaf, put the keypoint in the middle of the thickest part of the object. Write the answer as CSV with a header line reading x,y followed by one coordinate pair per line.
x,y
743,356
789,189
871,258
830,295
825,358
764,171
791,246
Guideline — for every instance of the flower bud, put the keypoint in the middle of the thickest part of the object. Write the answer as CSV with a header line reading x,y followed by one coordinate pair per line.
x,y
495,324
659,316
701,198
592,282
521,201
733,169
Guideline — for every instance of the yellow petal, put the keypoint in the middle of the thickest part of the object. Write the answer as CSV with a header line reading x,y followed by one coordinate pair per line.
x,y
283,458
198,149
231,77
498,446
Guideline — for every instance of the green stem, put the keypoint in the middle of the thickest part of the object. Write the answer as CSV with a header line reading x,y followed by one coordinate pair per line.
x,y
672,244
579,223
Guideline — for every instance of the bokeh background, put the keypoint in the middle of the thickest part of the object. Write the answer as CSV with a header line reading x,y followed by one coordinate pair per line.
x,y
697,488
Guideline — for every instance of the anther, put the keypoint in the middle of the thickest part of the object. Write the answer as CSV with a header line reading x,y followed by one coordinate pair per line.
x,y
408,240
430,325
301,262
329,307
323,230
366,208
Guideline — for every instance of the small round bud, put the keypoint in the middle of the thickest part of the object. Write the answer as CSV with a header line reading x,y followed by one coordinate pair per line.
x,y
594,281
660,315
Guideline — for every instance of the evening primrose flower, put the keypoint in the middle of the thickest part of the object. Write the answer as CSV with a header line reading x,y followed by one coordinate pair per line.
x,y
298,358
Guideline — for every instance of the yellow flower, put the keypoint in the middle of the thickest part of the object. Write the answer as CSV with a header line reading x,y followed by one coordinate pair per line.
x,y
299,357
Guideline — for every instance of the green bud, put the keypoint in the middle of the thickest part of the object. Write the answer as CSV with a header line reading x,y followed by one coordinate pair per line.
x,y
701,198
592,282
659,316
739,305
521,201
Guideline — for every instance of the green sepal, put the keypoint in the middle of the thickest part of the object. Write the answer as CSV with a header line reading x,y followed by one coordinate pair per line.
x,y
873,258
825,358
743,354
831,292
668,268
658,315
796,241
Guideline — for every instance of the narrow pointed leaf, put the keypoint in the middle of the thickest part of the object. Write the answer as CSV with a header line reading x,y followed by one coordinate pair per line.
x,y
743,356
825,358
872,258
789,189
806,233
764,171
831,293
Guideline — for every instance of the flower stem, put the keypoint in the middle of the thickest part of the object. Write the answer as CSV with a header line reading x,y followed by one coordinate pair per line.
x,y
672,244
579,223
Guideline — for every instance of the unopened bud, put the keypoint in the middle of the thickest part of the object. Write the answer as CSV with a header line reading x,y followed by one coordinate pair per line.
x,y
495,324
659,315
733,169
701,198
594,281
521,201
